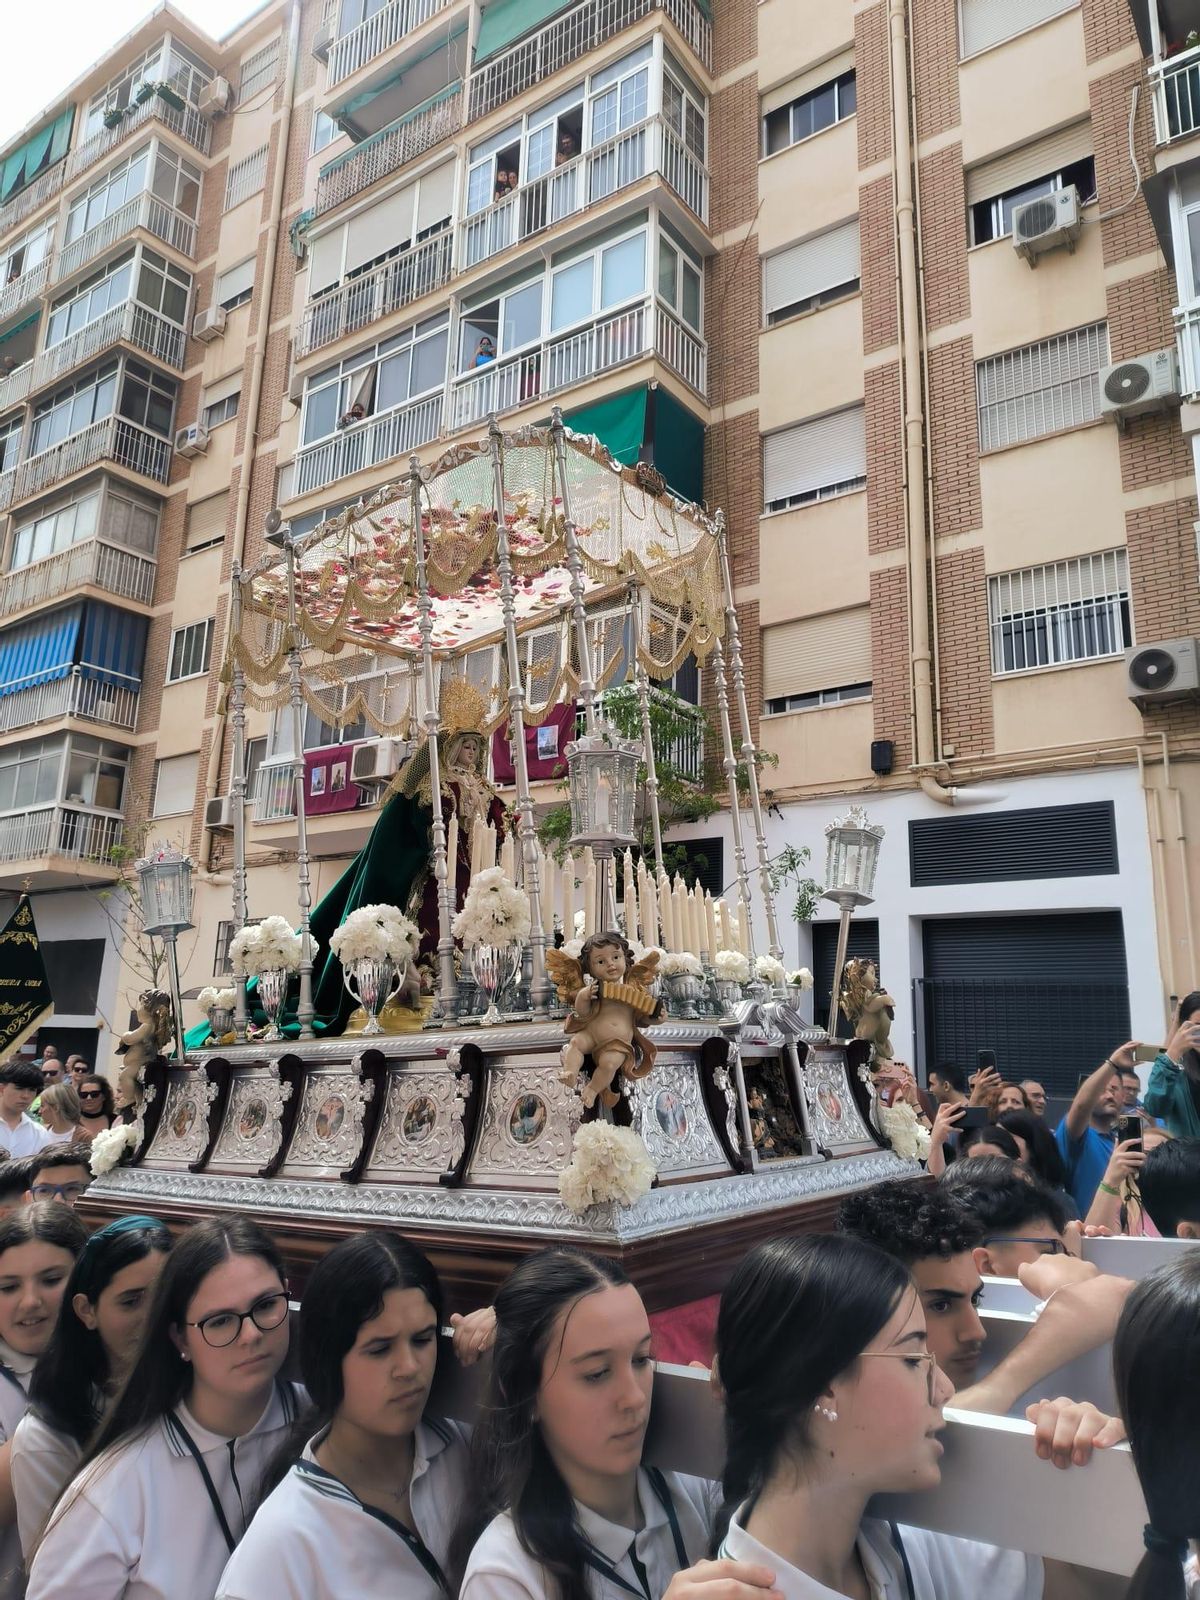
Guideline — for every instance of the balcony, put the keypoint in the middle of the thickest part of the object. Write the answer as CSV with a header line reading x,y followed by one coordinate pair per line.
x,y
374,442
76,695
23,291
389,149
94,562
1187,339
376,35
14,387
143,211
571,358
87,840
8,482
569,37
111,439
651,147
376,294
275,791
129,324
1175,85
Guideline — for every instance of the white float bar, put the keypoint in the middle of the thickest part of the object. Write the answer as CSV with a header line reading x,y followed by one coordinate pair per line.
x,y
1006,1294
1135,1258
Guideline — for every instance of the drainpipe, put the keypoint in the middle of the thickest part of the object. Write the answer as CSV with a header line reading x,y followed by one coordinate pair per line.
x,y
1181,840
254,396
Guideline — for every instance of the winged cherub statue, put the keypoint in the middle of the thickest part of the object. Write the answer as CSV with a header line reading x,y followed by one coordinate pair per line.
x,y
606,990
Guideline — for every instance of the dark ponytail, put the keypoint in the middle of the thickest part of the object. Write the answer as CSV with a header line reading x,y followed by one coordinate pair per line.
x,y
796,1314
1157,1344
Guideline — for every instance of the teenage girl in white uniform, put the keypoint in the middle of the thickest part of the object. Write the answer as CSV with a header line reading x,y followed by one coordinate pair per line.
x,y
168,1487
92,1348
38,1246
369,1507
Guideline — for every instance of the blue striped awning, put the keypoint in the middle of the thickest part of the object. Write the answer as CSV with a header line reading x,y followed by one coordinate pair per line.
x,y
39,651
113,645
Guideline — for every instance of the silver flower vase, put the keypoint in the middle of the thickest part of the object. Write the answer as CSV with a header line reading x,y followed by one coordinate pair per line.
x,y
372,981
220,1021
684,992
493,966
272,992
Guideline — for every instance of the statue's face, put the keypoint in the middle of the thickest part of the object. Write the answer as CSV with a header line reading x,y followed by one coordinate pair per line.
x,y
467,751
607,962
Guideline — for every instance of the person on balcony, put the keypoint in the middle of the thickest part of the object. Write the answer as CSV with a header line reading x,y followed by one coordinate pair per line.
x,y
485,352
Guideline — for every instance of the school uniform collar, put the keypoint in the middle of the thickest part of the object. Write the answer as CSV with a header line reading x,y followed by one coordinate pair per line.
x,y
17,1362
181,1418
610,1539
431,1438
794,1584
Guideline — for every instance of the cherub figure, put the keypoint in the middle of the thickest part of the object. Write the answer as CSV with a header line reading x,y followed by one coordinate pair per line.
x,y
868,1007
606,990
143,1044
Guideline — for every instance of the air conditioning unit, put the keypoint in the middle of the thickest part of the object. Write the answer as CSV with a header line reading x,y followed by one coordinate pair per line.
x,y
218,813
215,97
1133,388
1047,222
295,382
1158,673
192,440
322,40
377,761
209,325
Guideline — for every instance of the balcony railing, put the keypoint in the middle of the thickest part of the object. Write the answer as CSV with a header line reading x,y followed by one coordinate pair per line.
x,y
143,211
1187,339
110,439
586,180
8,482
24,290
126,324
684,751
574,357
15,386
29,200
1176,87
386,288
370,443
573,35
71,831
106,566
377,34
391,148
115,705
275,791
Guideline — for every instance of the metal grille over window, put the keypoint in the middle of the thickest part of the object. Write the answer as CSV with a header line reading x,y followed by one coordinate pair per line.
x,y
191,648
257,71
206,521
245,177
1067,611
1042,387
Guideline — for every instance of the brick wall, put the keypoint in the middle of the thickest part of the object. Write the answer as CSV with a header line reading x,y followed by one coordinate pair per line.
x,y
735,138
934,25
954,442
733,302
873,86
943,238
1131,233
878,249
733,480
891,688
1106,28
885,475
1163,576
734,36
964,655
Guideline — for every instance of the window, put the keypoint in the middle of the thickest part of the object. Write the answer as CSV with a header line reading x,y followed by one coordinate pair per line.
x,y
96,771
31,774
191,648
409,364
811,113
604,278
813,273
1041,388
817,661
258,70
147,398
10,442
74,407
129,522
175,784
815,460
176,182
164,287
679,280
236,287
25,253
256,754
90,299
205,522
223,410
55,529
683,108
1053,615
1040,167
108,193
171,62
245,177
41,151
986,22
324,131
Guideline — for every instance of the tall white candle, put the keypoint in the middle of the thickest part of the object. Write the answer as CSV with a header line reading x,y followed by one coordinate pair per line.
x,y
665,909
631,909
728,942
679,913
710,928
743,928
698,922
452,858
656,934
589,892
549,894
643,894
568,896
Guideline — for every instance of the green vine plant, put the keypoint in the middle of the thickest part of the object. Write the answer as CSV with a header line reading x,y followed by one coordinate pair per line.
x,y
787,872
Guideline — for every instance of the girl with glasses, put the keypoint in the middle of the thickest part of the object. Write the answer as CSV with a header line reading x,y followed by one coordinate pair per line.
x,y
95,1104
92,1348
168,1485
369,1506
38,1247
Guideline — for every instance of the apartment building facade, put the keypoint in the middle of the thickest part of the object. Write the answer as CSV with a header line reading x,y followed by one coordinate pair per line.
x,y
365,228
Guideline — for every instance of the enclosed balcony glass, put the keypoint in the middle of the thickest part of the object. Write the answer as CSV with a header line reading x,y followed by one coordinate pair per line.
x,y
138,298
152,188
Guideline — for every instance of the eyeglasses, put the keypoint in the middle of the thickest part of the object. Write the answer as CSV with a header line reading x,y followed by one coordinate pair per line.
x,y
225,1327
926,1356
69,1192
1049,1247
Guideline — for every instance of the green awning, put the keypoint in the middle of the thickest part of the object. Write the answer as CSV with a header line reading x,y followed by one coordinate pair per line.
x,y
361,100
618,421
505,21
39,152
675,444
19,327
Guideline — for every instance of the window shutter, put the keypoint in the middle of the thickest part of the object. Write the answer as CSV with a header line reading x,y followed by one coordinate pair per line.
x,y
206,520
813,265
815,455
222,389
235,282
1038,159
175,784
987,22
783,94
826,652
435,199
1061,583
325,261
372,233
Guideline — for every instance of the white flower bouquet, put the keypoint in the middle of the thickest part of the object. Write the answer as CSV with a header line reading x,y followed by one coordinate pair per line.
x,y
770,970
802,978
607,1164
111,1146
676,962
495,912
899,1125
211,999
732,966
375,933
573,948
268,946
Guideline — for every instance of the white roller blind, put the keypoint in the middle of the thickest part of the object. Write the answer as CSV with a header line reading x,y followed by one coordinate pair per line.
x,y
815,455
1038,159
435,200
986,22
235,282
826,652
175,784
325,261
373,233
206,520
784,93
222,389
807,268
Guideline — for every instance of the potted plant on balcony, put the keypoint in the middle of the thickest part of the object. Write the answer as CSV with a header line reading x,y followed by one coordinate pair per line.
x,y
143,94
164,91
112,116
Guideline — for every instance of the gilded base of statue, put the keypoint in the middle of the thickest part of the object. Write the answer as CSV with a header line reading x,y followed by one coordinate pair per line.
x,y
396,1017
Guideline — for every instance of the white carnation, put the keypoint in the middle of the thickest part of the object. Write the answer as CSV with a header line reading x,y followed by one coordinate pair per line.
x,y
377,933
211,999
607,1164
898,1124
266,947
675,962
769,969
494,912
733,966
802,978
110,1146
573,948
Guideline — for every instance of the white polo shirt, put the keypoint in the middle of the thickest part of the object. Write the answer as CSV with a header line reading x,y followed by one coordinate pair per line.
x,y
677,1527
941,1567
26,1139
137,1523
314,1539
43,1461
15,1371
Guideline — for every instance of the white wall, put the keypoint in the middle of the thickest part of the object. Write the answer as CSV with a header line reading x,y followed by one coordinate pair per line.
x,y
80,914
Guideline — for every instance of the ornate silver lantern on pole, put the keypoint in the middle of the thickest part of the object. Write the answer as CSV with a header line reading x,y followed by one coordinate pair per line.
x,y
165,890
602,772
852,856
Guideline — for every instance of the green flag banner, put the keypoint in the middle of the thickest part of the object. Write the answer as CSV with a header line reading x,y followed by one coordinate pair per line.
x,y
25,998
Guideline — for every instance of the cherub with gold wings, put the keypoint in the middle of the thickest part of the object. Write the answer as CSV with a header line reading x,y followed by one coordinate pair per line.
x,y
606,990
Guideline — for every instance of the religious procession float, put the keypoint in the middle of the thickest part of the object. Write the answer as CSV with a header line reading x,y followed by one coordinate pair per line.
x,y
473,1038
